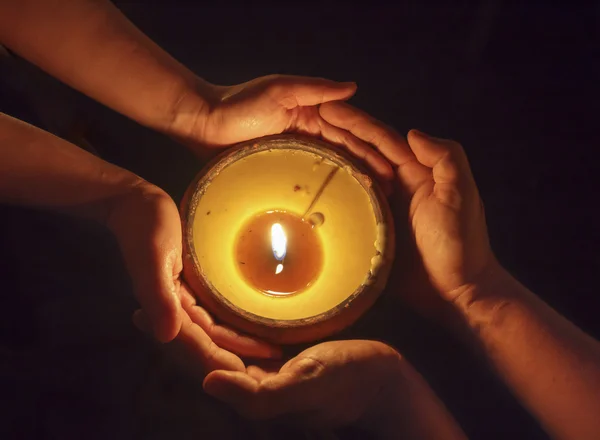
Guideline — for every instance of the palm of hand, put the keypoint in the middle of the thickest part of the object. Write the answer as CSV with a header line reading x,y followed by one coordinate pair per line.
x,y
448,225
328,385
147,225
347,377
447,242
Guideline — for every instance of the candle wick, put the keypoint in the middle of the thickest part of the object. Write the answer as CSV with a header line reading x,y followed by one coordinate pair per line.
x,y
320,191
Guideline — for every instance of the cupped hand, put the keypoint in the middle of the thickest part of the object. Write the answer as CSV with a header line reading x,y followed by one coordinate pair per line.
x,y
270,105
329,385
441,200
202,346
147,226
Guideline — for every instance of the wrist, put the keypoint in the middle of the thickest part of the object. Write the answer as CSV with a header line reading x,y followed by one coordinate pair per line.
x,y
136,198
192,104
482,303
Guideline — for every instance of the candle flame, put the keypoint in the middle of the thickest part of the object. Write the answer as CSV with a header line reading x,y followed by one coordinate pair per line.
x,y
278,269
278,242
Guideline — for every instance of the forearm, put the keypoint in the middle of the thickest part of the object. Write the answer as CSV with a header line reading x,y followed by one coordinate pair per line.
x,y
411,410
549,364
41,170
91,46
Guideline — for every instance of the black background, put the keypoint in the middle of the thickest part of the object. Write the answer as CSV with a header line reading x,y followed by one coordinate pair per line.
x,y
517,85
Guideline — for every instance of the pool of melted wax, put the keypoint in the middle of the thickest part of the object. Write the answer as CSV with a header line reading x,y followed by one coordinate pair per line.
x,y
279,253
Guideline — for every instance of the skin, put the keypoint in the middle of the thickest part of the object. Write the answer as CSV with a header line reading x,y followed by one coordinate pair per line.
x,y
91,46
552,367
42,171
120,67
339,383
549,364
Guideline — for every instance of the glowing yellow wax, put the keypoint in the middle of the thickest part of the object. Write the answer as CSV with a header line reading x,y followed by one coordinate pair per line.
x,y
287,180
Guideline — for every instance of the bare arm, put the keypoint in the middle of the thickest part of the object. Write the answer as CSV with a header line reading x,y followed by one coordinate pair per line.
x,y
91,46
550,365
339,383
413,411
39,169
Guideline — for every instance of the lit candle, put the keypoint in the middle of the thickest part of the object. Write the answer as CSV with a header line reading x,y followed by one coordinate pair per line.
x,y
279,253
286,239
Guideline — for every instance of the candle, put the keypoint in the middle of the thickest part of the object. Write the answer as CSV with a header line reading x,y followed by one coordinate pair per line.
x,y
279,253
286,239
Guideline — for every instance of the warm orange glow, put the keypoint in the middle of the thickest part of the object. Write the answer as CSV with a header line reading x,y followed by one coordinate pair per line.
x,y
278,253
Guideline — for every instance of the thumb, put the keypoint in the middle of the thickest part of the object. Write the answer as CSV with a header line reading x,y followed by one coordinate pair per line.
x,y
147,227
239,390
295,91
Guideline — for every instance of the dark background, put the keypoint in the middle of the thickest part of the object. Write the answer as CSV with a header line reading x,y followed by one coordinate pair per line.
x,y
517,85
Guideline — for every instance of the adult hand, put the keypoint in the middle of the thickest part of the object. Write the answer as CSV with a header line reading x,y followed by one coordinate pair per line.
x,y
362,383
147,225
272,104
202,346
329,385
443,208
548,363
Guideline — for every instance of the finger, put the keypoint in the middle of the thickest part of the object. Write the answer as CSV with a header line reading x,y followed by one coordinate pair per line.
x,y
264,370
237,389
293,91
223,336
186,297
230,339
203,354
266,399
148,229
156,292
193,349
380,166
393,146
296,388
390,144
159,298
446,158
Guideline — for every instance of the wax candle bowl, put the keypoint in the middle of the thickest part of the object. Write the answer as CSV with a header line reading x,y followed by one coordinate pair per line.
x,y
286,206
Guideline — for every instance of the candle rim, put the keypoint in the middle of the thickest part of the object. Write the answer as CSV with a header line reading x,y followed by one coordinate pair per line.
x,y
289,142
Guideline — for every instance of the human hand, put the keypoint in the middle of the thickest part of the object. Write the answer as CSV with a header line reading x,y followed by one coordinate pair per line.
x,y
202,345
147,225
441,201
329,385
264,106
536,352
